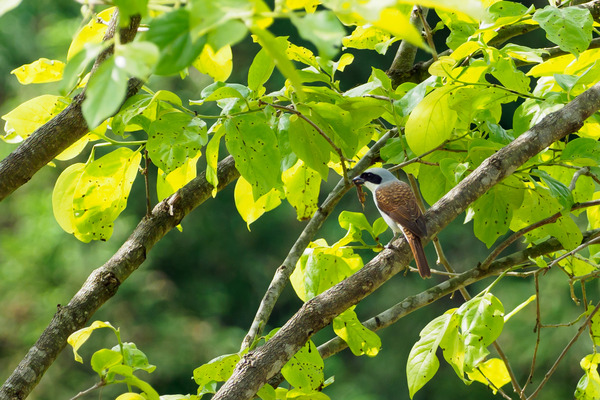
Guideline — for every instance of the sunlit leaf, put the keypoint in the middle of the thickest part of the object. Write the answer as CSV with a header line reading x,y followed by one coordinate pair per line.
x,y
305,369
249,208
78,338
39,71
29,116
102,192
360,339
217,65
93,32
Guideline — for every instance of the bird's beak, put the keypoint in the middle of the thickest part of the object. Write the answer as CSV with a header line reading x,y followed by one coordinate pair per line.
x,y
358,181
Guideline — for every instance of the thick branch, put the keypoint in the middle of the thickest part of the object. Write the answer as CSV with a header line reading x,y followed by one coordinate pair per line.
x,y
413,303
103,282
282,275
52,138
258,366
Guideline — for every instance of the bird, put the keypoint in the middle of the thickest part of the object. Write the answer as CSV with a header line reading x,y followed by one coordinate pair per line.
x,y
398,206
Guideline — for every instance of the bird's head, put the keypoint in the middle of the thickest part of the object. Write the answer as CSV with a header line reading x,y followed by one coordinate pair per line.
x,y
373,177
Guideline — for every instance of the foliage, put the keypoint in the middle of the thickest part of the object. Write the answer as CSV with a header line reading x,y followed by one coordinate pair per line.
x,y
287,140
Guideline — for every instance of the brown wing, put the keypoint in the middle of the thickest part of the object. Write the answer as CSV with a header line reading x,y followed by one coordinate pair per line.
x,y
397,200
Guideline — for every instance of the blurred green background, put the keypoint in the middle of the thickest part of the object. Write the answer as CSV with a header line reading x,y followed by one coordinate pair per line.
x,y
195,296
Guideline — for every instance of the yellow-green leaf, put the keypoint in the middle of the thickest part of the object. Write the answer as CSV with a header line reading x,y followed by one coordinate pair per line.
x,y
27,117
432,121
302,185
360,339
249,209
167,184
130,396
39,71
492,370
78,338
398,24
217,64
93,32
102,192
62,196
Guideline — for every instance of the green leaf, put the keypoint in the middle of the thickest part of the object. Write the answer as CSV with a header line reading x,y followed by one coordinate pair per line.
x,y
137,58
309,146
360,339
588,387
216,370
78,63
557,189
481,324
266,392
538,204
305,369
104,359
318,270
432,121
62,196
302,185
105,92
453,345
503,13
129,8
582,151
323,29
178,48
212,156
134,357
276,47
260,70
101,193
369,38
569,27
494,210
174,138
253,144
78,338
422,362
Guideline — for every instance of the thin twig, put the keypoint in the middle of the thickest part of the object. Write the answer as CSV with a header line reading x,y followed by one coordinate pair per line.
x,y
576,175
428,34
97,385
147,184
493,385
512,238
282,274
564,352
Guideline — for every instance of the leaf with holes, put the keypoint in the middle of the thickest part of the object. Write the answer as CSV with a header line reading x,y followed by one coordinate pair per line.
x,y
101,193
305,369
175,137
253,144
360,339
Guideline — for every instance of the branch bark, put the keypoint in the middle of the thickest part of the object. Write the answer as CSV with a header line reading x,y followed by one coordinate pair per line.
x,y
52,138
103,282
413,303
258,366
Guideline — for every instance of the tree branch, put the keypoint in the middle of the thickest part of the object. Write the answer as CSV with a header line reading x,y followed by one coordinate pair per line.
x,y
103,282
52,138
258,366
282,275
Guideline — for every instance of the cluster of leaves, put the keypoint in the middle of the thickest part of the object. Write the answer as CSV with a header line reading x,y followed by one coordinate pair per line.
x,y
116,365
286,141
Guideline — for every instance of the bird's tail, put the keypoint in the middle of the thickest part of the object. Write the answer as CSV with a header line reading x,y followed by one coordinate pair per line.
x,y
419,253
